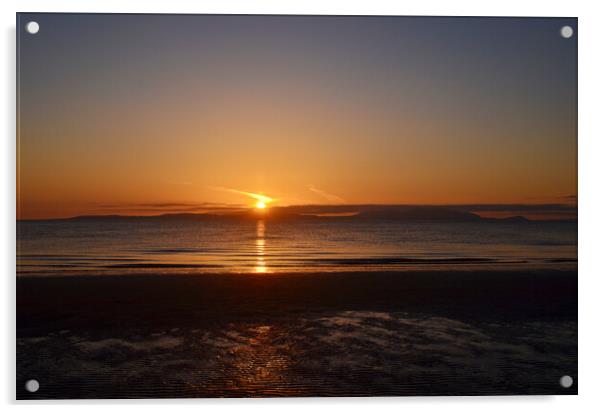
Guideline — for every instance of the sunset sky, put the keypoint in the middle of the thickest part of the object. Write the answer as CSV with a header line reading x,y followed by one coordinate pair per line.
x,y
139,114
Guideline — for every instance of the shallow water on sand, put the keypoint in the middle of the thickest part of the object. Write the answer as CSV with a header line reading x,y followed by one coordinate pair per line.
x,y
118,246
345,353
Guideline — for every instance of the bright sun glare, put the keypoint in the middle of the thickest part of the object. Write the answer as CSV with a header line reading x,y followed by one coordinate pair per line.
x,y
260,205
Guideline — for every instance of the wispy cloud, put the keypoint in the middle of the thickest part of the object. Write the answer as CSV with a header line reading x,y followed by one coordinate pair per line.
x,y
554,198
169,205
327,196
259,197
166,207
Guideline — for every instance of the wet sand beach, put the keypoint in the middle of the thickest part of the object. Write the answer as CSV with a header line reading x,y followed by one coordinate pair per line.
x,y
341,334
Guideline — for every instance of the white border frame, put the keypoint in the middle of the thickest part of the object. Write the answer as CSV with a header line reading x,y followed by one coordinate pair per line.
x,y
590,182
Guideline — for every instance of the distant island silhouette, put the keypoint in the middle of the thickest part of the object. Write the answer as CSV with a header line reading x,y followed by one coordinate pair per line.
x,y
337,213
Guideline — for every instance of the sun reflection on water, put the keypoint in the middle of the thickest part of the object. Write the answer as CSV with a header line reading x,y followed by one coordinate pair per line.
x,y
260,264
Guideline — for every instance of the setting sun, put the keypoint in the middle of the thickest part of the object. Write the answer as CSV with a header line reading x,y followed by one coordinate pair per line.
x,y
262,200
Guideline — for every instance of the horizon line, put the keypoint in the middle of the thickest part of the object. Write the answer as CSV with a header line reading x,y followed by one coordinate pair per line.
x,y
237,209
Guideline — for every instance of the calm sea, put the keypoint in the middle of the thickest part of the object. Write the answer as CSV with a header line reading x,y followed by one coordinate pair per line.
x,y
122,246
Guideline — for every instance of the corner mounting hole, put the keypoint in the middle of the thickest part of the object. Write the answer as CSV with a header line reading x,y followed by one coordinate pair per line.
x,y
32,386
566,381
32,27
566,32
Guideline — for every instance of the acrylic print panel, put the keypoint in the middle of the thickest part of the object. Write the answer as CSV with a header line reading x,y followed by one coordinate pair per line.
x,y
265,206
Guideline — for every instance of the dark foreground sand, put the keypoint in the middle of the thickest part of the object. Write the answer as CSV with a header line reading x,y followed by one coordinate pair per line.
x,y
347,334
